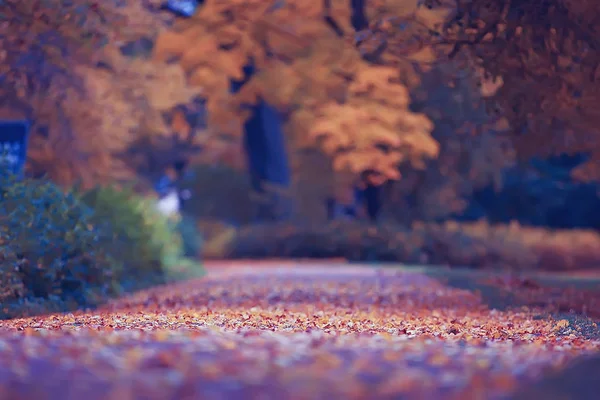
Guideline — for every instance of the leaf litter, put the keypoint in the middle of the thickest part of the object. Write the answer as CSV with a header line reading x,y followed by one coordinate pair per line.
x,y
287,333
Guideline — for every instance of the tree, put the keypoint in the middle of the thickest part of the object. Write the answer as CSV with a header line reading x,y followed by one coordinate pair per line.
x,y
542,56
474,151
64,66
35,83
354,111
310,71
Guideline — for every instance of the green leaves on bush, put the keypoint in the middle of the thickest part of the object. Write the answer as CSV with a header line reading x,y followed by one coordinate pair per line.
x,y
148,243
50,249
65,250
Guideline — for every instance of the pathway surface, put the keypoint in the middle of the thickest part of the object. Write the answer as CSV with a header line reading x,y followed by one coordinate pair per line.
x,y
291,331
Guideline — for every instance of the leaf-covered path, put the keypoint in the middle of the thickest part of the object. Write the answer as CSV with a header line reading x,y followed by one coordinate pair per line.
x,y
295,332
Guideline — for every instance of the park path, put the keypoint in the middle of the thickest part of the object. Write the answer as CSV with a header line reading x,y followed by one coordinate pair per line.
x,y
289,331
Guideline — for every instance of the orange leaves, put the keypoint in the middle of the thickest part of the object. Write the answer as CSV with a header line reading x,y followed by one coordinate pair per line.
x,y
169,44
562,324
378,82
179,125
130,98
310,331
204,54
374,117
191,56
282,87
316,78
92,101
208,66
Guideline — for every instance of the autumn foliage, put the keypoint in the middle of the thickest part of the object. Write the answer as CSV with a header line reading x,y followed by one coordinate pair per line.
x,y
359,85
540,68
90,106
356,112
299,331
41,45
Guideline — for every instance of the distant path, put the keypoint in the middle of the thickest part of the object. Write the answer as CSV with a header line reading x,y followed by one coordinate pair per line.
x,y
292,331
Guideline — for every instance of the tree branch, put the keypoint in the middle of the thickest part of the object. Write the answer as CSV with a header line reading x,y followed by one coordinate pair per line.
x,y
329,19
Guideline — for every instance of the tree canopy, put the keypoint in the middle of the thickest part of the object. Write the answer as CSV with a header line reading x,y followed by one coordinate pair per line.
x,y
89,104
356,112
344,73
545,55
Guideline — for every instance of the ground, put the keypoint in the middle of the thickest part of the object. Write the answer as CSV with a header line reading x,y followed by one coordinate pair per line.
x,y
289,330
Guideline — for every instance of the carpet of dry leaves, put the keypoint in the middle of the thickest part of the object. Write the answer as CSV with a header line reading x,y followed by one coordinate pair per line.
x,y
293,332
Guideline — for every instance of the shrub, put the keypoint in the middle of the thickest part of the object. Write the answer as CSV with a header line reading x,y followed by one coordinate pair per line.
x,y
475,245
50,250
149,244
65,250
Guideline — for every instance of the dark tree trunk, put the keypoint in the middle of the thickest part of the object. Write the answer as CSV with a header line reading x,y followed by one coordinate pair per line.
x,y
372,200
267,157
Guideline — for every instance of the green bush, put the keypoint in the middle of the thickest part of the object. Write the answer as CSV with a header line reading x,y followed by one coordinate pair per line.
x,y
65,250
149,244
51,252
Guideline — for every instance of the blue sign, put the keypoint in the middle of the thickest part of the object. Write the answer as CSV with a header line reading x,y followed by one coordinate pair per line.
x,y
13,146
183,8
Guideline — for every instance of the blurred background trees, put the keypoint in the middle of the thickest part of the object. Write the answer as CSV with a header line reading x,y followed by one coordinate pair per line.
x,y
68,68
424,103
545,53
415,131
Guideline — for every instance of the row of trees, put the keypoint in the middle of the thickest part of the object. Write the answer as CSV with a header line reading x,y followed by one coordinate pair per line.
x,y
432,98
